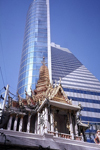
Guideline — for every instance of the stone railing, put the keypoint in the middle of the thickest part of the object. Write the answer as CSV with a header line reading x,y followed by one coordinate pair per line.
x,y
62,135
66,136
79,138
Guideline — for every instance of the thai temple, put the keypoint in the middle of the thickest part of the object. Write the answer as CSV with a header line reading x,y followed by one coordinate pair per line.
x,y
46,119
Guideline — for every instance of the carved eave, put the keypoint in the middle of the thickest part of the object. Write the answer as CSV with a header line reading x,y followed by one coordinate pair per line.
x,y
83,125
64,106
22,103
30,101
58,94
58,105
31,109
20,100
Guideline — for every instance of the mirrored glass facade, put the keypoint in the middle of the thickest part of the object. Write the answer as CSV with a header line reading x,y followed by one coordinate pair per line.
x,y
35,45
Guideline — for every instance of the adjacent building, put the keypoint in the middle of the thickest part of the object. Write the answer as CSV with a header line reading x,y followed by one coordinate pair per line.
x,y
79,84
36,45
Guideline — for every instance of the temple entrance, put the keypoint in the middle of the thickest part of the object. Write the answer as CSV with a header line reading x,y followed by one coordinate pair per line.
x,y
61,122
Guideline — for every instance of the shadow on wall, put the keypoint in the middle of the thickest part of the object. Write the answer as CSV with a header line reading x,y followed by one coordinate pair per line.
x,y
63,63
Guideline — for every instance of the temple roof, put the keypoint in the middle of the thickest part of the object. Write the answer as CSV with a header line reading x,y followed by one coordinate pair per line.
x,y
45,91
44,72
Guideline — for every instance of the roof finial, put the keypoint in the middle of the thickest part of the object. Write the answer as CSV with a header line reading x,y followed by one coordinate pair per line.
x,y
43,62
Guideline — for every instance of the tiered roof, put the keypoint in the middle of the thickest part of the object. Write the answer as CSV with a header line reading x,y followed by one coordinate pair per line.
x,y
44,91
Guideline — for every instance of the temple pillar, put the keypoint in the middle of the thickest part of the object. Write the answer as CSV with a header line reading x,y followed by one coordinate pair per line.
x,y
71,126
56,132
15,122
82,138
76,128
42,123
46,119
38,126
9,123
28,123
21,124
52,121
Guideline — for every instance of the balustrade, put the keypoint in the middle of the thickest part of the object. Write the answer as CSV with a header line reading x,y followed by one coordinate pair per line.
x,y
66,136
62,135
79,138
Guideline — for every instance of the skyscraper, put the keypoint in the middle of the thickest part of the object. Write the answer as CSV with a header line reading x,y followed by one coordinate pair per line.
x,y
80,86
36,45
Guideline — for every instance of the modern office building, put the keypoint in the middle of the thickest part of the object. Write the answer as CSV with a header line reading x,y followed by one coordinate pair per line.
x,y
78,83
36,45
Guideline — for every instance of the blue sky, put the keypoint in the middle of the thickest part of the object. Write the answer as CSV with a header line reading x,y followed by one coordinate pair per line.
x,y
75,24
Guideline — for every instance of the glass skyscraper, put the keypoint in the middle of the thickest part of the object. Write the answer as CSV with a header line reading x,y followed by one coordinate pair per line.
x,y
36,45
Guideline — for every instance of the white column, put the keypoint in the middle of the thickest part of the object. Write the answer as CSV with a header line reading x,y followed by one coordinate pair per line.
x,y
52,121
9,123
38,126
56,132
82,137
15,122
71,126
21,124
46,119
42,125
76,128
28,124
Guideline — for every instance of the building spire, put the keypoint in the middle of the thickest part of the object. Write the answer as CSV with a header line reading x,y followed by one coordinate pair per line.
x,y
43,62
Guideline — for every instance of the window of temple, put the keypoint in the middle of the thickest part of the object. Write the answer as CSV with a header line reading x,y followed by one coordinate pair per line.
x,y
61,123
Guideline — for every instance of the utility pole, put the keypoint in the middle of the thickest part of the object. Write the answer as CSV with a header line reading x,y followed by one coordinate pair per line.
x,y
5,97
